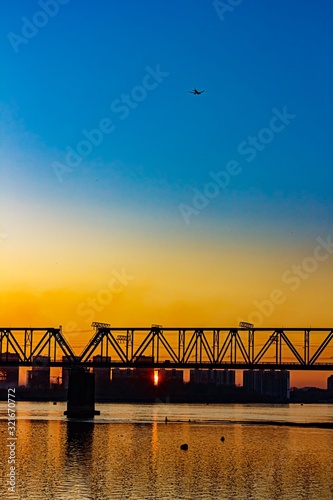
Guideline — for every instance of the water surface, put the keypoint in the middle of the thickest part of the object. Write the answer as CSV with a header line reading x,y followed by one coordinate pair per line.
x,y
129,452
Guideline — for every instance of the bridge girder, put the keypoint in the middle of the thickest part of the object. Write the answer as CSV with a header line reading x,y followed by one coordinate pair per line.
x,y
245,348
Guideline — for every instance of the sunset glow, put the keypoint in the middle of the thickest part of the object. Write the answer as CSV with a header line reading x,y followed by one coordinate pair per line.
x,y
132,201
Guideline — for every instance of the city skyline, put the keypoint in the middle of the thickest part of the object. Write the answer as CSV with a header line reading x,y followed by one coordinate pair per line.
x,y
237,349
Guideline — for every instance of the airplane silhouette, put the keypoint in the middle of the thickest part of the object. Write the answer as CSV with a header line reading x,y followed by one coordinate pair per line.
x,y
196,92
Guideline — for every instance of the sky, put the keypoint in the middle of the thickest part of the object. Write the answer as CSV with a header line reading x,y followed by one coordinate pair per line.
x,y
128,200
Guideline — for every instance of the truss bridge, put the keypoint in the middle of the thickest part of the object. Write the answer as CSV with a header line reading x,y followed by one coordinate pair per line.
x,y
172,347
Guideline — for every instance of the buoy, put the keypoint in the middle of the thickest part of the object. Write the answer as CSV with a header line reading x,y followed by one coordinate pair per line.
x,y
222,439
166,420
184,446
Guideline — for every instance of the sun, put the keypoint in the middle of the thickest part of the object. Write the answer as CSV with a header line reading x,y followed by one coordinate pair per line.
x,y
155,377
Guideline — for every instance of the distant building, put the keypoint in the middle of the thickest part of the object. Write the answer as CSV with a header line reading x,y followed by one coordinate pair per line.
x,y
272,383
225,377
330,384
173,375
217,377
102,375
9,375
119,374
200,376
144,373
39,376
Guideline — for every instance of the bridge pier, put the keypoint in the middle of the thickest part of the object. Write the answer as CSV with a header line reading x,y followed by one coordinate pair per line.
x,y
81,394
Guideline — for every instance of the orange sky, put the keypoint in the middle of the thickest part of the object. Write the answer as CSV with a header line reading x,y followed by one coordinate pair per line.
x,y
182,282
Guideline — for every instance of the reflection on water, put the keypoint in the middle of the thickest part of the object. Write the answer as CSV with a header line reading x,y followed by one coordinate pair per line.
x,y
77,459
79,436
68,460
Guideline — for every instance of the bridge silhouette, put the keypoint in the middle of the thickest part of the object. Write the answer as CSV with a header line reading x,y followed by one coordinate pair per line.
x,y
173,347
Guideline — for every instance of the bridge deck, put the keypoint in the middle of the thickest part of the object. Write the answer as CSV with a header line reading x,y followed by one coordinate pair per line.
x,y
172,347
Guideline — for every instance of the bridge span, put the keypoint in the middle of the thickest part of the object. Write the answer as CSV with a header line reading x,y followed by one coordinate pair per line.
x,y
172,347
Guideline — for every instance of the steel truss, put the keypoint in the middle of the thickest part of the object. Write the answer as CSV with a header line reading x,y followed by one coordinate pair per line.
x,y
252,348
31,343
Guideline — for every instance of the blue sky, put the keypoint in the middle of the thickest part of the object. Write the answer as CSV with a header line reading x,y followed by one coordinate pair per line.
x,y
67,77
262,56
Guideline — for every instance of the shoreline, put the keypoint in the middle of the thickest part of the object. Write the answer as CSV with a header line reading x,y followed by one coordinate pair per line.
x,y
262,423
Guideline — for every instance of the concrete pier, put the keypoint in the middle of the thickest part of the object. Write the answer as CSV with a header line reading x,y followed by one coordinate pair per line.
x,y
81,394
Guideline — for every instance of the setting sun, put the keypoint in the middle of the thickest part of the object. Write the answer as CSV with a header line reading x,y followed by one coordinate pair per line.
x,y
155,377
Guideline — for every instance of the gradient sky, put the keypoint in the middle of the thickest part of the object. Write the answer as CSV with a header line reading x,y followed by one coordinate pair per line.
x,y
67,232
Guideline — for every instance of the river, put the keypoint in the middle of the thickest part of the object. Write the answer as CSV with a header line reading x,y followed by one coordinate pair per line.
x,y
131,452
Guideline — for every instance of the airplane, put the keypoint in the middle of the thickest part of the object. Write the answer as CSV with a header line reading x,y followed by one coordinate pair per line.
x,y
196,92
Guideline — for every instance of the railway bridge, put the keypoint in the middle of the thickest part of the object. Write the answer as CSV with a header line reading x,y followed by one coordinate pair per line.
x,y
243,347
